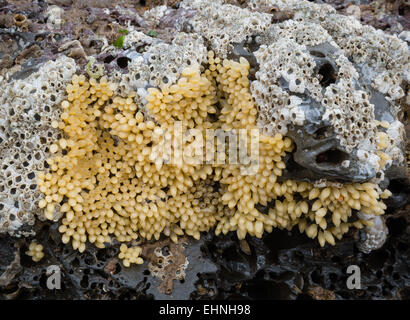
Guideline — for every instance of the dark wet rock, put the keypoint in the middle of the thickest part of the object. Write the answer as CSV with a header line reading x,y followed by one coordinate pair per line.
x,y
400,188
320,157
175,18
293,267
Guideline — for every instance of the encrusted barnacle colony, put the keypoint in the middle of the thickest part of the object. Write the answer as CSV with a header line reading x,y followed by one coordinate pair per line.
x,y
321,90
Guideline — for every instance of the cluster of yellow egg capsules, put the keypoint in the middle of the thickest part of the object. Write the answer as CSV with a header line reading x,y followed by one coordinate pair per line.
x,y
130,255
108,178
383,141
35,251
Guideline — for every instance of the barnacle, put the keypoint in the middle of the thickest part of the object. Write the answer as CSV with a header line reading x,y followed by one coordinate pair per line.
x,y
94,70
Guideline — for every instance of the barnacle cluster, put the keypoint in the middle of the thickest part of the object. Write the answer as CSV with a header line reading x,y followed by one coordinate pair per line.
x,y
109,177
27,110
166,268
